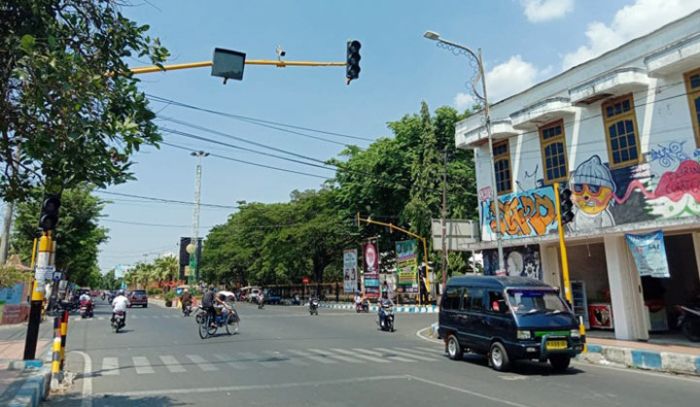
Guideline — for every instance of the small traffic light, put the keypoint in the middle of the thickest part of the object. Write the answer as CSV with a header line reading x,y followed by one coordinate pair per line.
x,y
352,67
567,214
49,212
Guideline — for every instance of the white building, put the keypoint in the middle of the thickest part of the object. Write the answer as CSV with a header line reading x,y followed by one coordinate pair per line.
x,y
622,132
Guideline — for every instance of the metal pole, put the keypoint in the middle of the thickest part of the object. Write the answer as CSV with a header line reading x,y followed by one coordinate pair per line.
x,y
195,214
444,224
37,299
6,230
494,190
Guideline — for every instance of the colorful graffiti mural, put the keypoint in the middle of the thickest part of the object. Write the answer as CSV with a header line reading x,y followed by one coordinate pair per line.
x,y
523,214
519,261
592,187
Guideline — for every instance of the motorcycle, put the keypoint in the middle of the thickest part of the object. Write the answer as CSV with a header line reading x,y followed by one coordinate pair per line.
x,y
313,306
261,303
86,309
362,306
385,317
118,321
689,322
186,309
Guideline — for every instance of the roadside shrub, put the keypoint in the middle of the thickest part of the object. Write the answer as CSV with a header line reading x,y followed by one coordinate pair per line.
x,y
155,291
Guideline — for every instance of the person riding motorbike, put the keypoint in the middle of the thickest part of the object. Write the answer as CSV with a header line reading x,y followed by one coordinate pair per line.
x,y
119,304
86,301
383,303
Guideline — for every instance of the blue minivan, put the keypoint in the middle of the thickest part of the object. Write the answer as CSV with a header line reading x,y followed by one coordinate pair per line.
x,y
508,318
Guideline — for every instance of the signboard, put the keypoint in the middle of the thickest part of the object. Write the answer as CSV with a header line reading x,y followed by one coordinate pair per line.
x,y
649,254
371,264
57,276
43,273
350,270
406,265
305,280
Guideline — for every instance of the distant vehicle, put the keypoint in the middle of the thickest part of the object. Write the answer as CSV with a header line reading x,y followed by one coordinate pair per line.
x,y
272,297
253,295
508,318
138,297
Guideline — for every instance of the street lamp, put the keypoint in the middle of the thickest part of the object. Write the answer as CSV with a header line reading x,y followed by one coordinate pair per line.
x,y
461,49
192,248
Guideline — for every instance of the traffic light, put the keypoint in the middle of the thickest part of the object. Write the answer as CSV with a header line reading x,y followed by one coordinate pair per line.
x,y
567,214
49,212
352,67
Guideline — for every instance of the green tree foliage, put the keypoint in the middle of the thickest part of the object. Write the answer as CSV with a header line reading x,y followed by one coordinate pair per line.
x,y
109,281
77,235
70,110
396,179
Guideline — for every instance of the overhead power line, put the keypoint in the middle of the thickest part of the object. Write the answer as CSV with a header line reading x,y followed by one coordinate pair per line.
x,y
260,122
151,198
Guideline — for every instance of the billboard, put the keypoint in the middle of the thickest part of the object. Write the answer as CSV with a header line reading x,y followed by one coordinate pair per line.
x,y
407,266
350,270
370,257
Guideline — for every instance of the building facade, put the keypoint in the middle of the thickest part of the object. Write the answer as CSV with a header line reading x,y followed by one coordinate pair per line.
x,y
622,133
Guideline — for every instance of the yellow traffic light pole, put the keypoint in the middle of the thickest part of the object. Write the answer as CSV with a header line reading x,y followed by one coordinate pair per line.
x,y
204,64
408,232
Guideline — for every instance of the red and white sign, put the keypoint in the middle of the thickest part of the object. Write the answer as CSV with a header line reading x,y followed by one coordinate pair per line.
x,y
305,280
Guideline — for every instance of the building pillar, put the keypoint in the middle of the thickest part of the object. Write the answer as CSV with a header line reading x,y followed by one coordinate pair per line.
x,y
696,247
550,265
625,291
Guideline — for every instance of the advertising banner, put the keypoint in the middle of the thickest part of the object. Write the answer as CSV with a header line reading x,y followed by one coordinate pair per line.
x,y
406,266
649,254
371,266
350,270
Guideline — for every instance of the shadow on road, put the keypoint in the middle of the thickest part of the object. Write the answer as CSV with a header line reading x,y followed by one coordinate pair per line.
x,y
116,400
522,367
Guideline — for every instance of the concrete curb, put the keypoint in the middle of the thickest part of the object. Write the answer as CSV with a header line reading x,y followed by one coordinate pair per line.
x,y
401,309
668,362
36,386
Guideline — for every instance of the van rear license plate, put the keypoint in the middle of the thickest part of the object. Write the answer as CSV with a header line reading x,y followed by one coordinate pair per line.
x,y
556,345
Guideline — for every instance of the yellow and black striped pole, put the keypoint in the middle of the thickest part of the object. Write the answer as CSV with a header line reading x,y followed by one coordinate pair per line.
x,y
37,301
56,371
64,334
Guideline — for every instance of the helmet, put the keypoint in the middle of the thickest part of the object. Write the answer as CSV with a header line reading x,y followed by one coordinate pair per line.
x,y
120,292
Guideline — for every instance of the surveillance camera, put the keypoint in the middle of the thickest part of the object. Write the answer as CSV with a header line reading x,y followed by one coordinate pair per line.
x,y
283,53
280,52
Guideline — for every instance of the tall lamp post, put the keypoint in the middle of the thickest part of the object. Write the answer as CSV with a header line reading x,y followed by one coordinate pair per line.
x,y
193,247
458,49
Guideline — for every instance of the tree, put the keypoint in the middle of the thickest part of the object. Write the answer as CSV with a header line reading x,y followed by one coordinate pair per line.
x,y
70,110
166,268
77,235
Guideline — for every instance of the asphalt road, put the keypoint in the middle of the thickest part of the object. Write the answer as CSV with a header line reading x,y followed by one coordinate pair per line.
x,y
284,357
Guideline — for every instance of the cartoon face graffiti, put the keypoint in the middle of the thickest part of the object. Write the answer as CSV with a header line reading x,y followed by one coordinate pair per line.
x,y
592,199
592,188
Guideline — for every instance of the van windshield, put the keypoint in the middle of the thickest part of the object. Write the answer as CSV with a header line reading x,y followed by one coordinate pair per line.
x,y
534,301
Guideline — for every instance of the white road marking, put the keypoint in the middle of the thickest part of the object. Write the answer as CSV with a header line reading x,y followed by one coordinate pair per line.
x,y
470,392
142,365
233,364
202,363
110,366
315,358
333,355
221,389
416,355
374,358
395,358
172,364
87,379
429,351
425,338
287,359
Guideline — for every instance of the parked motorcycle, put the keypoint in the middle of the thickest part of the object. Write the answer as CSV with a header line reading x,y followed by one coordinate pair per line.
x,y
385,316
313,306
86,309
689,321
118,321
362,306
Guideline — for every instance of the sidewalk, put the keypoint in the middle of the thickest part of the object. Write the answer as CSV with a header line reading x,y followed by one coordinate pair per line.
x,y
402,309
14,375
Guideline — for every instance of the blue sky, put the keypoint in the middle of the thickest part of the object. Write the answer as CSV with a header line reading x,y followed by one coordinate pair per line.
x,y
524,42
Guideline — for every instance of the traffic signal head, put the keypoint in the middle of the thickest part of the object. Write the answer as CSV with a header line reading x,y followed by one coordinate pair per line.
x,y
567,214
49,212
352,67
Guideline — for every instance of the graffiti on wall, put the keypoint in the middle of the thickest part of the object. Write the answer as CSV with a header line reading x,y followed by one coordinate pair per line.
x,y
518,261
523,214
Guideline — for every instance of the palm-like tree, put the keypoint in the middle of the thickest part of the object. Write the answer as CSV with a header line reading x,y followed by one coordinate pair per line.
x,y
166,268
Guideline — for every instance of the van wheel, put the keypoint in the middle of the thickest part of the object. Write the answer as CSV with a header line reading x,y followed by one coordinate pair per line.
x,y
498,357
560,362
454,349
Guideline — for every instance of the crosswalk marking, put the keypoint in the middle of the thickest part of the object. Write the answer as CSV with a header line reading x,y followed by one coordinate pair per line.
x,y
142,365
315,358
429,352
233,364
333,355
379,354
172,364
110,366
359,355
286,359
202,363
415,355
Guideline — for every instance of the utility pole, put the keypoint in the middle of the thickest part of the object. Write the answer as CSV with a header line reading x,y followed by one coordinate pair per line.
x,y
444,224
6,230
458,49
194,245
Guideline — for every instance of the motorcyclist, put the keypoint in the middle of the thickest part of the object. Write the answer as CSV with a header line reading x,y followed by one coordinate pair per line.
x,y
261,299
186,298
383,303
86,300
119,304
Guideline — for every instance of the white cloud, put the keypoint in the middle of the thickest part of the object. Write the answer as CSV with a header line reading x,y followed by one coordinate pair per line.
x,y
503,80
634,20
538,11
